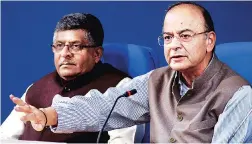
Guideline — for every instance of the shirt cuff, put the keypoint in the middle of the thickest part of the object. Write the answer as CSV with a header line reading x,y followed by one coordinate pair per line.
x,y
65,124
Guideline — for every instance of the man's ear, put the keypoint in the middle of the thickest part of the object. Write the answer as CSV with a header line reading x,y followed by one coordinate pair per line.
x,y
211,39
98,52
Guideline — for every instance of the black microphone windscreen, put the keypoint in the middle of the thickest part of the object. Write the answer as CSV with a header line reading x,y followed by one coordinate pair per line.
x,y
131,92
134,91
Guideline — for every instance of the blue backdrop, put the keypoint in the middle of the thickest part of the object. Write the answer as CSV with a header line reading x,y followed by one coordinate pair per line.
x,y
27,30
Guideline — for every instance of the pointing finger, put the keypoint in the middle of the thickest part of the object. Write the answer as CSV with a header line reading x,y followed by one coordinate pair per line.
x,y
17,100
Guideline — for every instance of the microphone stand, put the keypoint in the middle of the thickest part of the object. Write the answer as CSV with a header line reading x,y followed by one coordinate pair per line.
x,y
126,94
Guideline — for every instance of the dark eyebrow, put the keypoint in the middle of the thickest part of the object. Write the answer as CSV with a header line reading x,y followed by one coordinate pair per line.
x,y
179,32
184,30
72,42
168,33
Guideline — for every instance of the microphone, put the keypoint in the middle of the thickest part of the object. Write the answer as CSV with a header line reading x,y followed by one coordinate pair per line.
x,y
126,94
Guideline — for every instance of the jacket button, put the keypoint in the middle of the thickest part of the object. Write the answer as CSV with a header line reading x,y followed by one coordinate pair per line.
x,y
180,117
67,89
172,140
188,94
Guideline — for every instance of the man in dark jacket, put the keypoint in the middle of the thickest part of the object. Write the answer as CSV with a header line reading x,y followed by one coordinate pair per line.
x,y
77,48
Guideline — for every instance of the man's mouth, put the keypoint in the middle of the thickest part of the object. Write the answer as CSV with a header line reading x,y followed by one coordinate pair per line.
x,y
177,57
66,63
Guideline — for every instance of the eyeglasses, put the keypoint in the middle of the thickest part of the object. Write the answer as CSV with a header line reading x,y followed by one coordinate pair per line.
x,y
164,40
73,48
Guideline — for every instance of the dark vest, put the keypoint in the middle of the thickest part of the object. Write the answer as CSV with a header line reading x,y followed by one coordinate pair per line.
x,y
41,93
190,118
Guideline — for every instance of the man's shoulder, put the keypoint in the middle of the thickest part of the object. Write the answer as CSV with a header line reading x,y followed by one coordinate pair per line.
x,y
46,78
166,70
233,82
161,75
232,78
230,82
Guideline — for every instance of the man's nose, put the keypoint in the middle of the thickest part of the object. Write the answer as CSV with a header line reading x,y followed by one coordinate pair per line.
x,y
175,44
65,51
